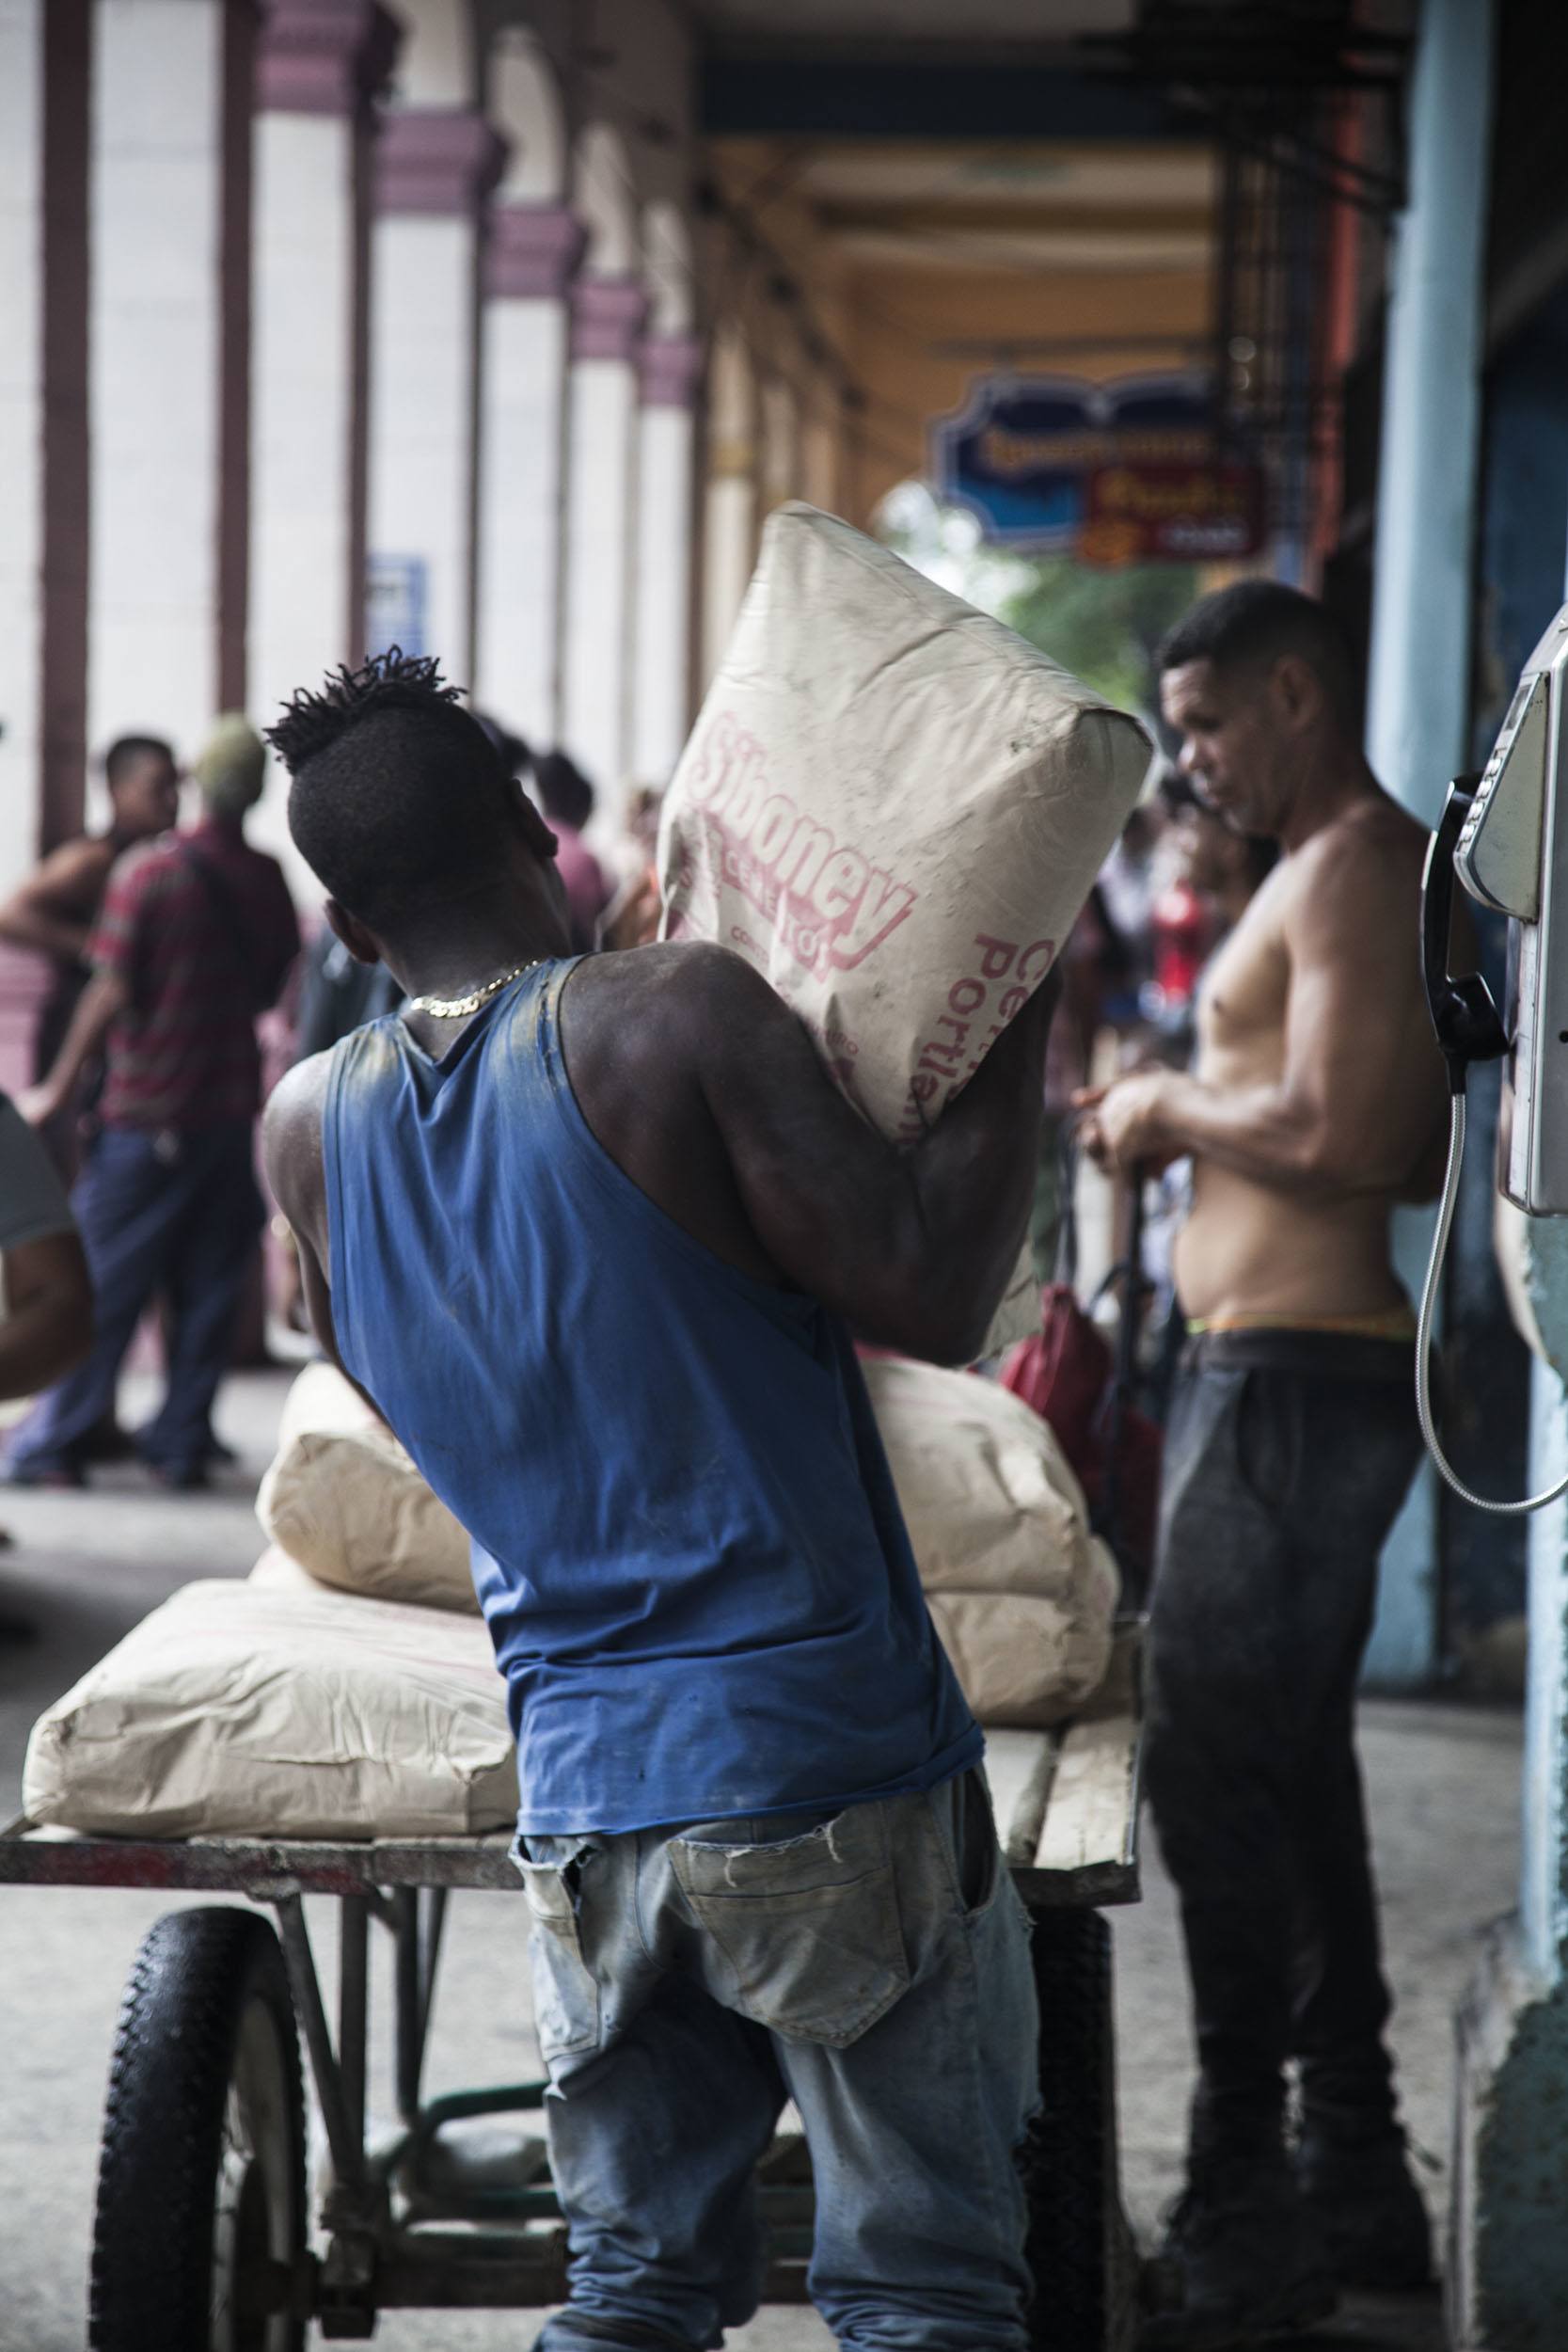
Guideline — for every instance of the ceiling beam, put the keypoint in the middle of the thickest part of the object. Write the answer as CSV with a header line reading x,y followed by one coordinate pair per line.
x,y
1043,218
820,97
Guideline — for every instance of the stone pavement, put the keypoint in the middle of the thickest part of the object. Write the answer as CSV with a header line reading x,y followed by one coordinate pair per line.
x,y
1444,1783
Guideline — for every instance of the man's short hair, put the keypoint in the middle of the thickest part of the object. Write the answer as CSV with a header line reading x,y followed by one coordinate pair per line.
x,y
399,798
1254,623
127,752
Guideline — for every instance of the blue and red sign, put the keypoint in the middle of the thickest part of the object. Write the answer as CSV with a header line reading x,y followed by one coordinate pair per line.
x,y
1033,458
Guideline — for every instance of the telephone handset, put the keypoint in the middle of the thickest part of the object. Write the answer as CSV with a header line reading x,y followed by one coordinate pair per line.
x,y
1463,1013
1505,835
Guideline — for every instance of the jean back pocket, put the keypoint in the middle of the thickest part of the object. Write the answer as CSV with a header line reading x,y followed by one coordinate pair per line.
x,y
809,1923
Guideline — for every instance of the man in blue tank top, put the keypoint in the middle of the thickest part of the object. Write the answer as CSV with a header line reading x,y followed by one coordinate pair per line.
x,y
591,1234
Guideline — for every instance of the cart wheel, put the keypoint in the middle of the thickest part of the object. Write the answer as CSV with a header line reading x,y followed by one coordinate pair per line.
x,y
201,2221
1081,2248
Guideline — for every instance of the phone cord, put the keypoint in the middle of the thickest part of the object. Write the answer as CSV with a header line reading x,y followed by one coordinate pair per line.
x,y
1423,1338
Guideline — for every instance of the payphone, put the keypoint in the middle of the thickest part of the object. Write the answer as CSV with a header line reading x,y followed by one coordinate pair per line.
x,y
1505,835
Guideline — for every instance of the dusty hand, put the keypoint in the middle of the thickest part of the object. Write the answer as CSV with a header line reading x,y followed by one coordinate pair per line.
x,y
1124,1127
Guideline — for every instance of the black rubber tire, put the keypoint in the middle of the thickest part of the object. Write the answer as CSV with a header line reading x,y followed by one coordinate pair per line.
x,y
201,2177
1080,2248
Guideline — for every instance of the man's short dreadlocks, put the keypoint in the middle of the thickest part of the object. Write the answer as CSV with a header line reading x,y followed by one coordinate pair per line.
x,y
398,796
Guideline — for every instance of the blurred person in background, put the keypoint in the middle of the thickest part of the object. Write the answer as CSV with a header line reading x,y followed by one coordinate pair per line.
x,y
46,1313
53,910
194,941
566,798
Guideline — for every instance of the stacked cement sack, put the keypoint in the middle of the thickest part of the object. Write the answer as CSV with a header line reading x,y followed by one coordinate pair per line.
x,y
895,808
263,1709
348,1689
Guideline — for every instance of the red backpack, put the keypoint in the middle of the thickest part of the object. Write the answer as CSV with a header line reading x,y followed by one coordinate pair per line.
x,y
1067,1372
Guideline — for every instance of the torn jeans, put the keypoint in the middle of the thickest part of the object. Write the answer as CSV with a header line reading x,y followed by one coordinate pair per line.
x,y
874,1967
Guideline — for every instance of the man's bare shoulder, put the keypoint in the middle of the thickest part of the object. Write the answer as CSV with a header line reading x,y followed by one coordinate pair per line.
x,y
75,868
693,990
292,1138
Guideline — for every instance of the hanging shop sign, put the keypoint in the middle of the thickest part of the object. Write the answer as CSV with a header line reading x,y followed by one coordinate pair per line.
x,y
1137,513
1119,472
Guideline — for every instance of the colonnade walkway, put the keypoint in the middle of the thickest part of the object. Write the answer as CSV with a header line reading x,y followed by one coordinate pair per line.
x,y
1444,1782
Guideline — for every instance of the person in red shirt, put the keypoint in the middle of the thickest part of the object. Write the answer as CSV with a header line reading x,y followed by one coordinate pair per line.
x,y
193,939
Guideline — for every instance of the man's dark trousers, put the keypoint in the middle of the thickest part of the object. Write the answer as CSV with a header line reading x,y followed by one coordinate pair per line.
x,y
175,1213
1287,1457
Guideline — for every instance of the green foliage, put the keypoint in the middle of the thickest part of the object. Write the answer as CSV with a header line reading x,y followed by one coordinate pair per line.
x,y
1102,625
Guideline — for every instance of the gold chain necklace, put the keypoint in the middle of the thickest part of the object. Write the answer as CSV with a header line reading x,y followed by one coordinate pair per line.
x,y
454,1008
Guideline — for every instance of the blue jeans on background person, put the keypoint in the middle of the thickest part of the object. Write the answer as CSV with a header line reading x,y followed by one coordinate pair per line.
x,y
873,1966
165,1213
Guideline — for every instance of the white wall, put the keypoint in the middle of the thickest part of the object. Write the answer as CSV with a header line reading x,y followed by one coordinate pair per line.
x,y
154,341
661,635
600,527
522,437
302,417
423,361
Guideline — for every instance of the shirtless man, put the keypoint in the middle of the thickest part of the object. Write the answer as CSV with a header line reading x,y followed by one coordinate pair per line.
x,y
53,910
1318,1102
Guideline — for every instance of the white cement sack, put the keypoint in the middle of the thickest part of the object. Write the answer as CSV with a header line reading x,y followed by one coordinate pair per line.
x,y
247,1710
1022,1593
344,1499
895,807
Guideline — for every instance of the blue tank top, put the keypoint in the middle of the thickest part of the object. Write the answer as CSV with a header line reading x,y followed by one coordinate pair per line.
x,y
686,1538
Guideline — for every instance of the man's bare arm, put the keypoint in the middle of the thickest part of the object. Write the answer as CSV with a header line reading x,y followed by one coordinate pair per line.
x,y
104,998
1361,1095
292,1146
48,1322
43,915
913,1247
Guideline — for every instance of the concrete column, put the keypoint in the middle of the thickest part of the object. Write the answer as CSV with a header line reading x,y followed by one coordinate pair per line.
x,y
661,712
730,517
1507,2257
434,167
319,65
1417,712
533,253
607,315
168,328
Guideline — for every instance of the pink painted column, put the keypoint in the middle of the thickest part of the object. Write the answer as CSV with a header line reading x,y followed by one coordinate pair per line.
x,y
530,259
434,168
670,372
608,319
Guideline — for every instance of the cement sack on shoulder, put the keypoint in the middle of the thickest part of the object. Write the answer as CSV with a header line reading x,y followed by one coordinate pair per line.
x,y
1022,1593
344,1499
246,1711
895,807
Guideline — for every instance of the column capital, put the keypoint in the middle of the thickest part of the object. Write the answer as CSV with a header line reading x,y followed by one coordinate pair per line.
x,y
607,317
533,251
436,160
324,57
670,369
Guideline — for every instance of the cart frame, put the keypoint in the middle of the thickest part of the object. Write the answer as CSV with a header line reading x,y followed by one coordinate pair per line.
x,y
407,2225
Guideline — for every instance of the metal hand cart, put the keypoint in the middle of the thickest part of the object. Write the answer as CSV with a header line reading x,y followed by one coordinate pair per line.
x,y
202,2236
